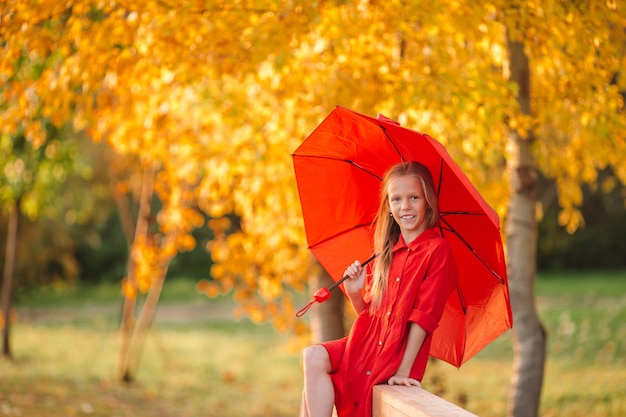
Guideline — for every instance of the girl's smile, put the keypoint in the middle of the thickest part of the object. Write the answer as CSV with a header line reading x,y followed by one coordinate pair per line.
x,y
408,205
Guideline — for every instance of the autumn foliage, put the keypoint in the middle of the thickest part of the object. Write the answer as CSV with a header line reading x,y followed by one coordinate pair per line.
x,y
215,95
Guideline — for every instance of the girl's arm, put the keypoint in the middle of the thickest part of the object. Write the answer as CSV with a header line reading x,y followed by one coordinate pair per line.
x,y
358,304
354,286
414,343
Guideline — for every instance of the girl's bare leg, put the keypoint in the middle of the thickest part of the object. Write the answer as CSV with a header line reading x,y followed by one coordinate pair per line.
x,y
318,397
304,412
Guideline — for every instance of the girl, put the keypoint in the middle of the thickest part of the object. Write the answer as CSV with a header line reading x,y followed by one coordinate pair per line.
x,y
399,302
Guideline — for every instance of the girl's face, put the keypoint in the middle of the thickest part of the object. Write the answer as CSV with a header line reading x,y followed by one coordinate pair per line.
x,y
408,205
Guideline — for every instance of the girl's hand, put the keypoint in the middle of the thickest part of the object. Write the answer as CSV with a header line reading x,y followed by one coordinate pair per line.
x,y
406,381
356,273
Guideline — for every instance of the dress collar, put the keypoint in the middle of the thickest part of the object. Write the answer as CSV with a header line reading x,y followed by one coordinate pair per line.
x,y
424,236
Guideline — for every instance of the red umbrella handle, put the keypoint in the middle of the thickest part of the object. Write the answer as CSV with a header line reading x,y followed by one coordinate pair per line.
x,y
320,296
323,294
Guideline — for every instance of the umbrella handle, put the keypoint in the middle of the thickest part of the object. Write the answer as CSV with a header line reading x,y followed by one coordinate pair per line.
x,y
320,296
323,294
345,277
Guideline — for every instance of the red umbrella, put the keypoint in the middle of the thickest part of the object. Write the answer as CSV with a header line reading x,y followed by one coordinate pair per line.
x,y
339,170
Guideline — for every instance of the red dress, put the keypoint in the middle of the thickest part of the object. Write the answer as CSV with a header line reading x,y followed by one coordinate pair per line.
x,y
421,278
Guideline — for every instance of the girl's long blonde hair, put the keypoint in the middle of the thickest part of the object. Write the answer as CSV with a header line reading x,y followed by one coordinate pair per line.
x,y
387,231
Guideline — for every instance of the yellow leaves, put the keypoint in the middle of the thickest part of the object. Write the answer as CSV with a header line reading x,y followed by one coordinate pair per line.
x,y
576,102
129,290
220,225
148,261
608,184
522,124
270,288
35,134
570,192
217,99
179,218
259,260
257,315
15,172
570,199
585,119
185,243
612,4
571,219
208,288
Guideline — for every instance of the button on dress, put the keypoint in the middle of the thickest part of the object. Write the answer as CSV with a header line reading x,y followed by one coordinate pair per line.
x,y
421,278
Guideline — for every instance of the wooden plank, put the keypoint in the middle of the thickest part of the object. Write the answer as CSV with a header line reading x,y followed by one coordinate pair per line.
x,y
400,401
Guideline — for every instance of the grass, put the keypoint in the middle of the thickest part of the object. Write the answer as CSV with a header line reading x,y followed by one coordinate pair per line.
x,y
106,293
211,368
584,315
218,367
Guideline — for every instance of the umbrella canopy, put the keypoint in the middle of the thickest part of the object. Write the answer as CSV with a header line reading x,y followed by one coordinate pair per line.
x,y
339,170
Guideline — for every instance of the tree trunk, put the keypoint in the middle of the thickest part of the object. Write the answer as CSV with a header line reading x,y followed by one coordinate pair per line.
x,y
8,277
327,318
145,321
127,321
529,337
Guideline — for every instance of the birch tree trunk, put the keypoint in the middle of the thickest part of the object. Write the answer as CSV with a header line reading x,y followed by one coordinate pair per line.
x,y
127,322
145,321
8,278
327,318
529,337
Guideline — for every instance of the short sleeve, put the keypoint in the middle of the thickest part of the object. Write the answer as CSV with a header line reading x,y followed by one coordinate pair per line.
x,y
441,279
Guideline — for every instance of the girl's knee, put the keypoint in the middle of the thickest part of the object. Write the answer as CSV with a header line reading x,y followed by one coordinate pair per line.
x,y
316,358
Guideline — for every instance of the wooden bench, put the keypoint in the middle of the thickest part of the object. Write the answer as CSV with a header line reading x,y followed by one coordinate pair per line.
x,y
399,401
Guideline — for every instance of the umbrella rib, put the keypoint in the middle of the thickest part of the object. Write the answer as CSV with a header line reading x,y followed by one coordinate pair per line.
x,y
340,160
458,291
339,234
462,213
440,177
451,229
384,129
